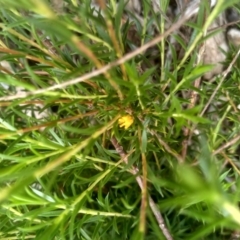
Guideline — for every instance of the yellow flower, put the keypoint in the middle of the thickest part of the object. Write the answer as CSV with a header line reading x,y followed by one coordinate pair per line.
x,y
125,121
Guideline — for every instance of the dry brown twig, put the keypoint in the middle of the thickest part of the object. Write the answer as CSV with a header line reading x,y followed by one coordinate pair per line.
x,y
167,147
227,144
224,75
229,160
134,170
104,69
193,100
190,131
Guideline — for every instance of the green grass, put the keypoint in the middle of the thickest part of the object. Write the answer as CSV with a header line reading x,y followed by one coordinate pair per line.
x,y
75,173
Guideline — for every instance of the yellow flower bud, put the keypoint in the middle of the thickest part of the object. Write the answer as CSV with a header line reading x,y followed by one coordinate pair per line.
x,y
125,121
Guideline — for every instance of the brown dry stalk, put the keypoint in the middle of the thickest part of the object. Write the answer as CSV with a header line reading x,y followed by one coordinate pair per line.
x,y
88,52
167,147
187,130
105,68
144,194
193,99
33,58
224,75
227,144
48,124
228,160
134,170
113,37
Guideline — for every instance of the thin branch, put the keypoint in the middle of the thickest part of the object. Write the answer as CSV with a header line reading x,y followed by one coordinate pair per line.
x,y
160,220
182,19
193,99
47,124
228,160
227,144
167,147
144,194
134,170
224,75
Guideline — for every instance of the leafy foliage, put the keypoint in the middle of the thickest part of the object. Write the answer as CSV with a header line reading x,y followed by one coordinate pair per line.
x,y
71,156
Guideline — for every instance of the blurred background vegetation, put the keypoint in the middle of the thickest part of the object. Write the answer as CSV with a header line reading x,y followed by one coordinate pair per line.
x,y
106,155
